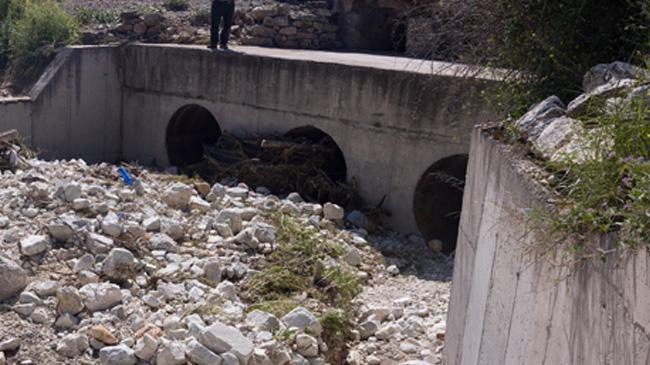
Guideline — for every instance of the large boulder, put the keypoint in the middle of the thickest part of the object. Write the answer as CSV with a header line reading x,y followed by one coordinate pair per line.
x,y
100,296
120,265
605,73
13,278
221,338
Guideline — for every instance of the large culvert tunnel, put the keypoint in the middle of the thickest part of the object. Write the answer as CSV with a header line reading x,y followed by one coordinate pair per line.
x,y
189,129
438,200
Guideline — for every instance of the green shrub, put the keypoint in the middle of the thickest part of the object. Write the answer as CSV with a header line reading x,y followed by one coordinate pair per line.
x,y
177,5
296,266
556,42
88,16
610,191
41,27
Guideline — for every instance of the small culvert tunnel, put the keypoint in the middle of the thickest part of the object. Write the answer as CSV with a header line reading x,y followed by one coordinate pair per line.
x,y
438,200
189,129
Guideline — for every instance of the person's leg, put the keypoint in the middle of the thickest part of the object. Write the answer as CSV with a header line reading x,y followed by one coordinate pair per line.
x,y
228,16
214,26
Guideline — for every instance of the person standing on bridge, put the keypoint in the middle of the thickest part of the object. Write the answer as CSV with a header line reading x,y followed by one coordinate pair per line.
x,y
221,10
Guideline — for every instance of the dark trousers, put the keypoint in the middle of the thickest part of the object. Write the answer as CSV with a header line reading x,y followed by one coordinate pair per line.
x,y
221,10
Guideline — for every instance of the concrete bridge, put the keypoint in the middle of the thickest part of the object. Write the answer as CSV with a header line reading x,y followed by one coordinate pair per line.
x,y
395,120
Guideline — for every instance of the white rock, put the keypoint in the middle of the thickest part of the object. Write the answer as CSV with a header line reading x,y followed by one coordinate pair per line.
x,y
70,191
199,204
40,315
34,245
260,358
88,277
151,224
119,265
302,319
295,198
221,338
97,243
307,345
247,237
333,212
24,309
368,328
66,321
60,231
117,355
353,256
171,353
228,358
13,278
151,300
392,270
232,217
201,355
101,296
29,297
212,269
146,347
217,191
111,225
178,195
237,192
387,331
10,344
227,291
173,229
46,288
69,300
408,347
161,241
262,321
80,204
264,233
72,345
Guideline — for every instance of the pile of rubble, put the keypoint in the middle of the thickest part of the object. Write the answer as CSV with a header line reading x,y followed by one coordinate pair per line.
x,y
151,268
284,25
148,26
557,132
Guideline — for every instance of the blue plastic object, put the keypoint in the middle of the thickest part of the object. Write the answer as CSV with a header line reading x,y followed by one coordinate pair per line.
x,y
125,176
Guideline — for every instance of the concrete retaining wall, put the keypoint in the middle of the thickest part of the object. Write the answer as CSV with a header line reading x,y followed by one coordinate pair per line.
x,y
391,125
391,117
511,305
74,109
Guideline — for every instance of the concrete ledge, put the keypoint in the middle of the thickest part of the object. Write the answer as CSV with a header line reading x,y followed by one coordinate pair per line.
x,y
510,304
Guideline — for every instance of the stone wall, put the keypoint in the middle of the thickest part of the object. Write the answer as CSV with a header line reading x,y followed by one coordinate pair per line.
x,y
511,304
291,26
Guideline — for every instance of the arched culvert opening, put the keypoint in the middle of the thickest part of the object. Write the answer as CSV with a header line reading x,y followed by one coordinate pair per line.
x,y
189,129
438,200
330,156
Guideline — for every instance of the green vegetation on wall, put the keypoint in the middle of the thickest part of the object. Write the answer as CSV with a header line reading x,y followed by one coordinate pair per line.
x,y
608,191
31,29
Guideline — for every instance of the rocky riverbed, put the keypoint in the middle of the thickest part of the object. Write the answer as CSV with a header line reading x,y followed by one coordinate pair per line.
x,y
163,271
